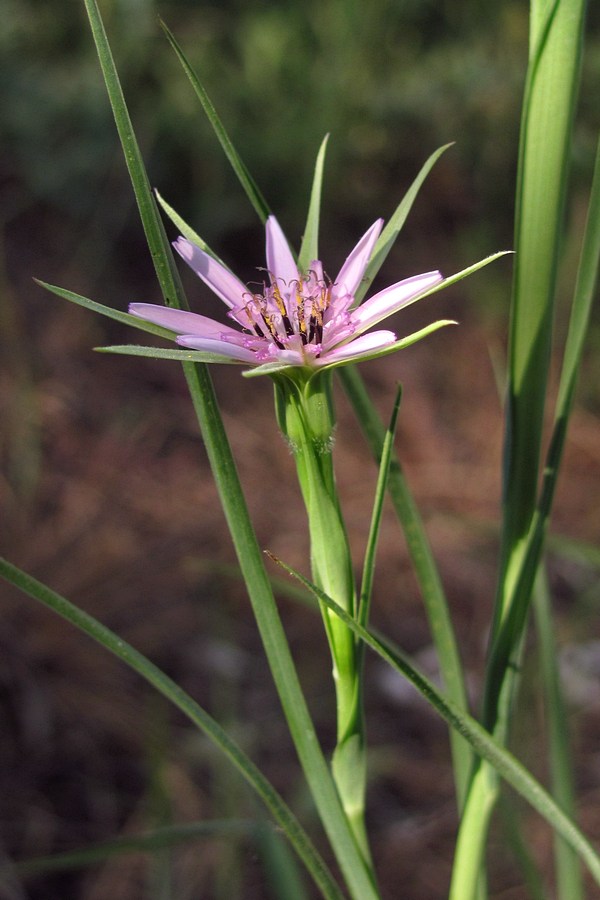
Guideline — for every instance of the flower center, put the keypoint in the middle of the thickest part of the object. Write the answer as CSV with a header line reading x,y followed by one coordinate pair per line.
x,y
284,311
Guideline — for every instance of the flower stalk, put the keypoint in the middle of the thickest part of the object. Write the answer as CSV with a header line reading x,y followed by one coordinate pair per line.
x,y
305,414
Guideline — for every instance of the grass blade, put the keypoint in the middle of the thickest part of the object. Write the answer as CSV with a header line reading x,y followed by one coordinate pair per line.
x,y
531,548
388,236
368,571
251,188
148,842
481,741
169,689
309,251
436,605
585,290
197,356
543,165
107,311
548,108
164,264
568,871
186,230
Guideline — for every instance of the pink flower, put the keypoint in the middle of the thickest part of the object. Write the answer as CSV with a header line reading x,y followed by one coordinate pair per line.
x,y
299,319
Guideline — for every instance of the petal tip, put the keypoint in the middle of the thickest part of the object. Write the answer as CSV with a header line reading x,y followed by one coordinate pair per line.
x,y
184,247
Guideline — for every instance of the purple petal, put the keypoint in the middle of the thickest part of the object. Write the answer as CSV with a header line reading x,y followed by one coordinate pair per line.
x,y
280,262
179,320
223,348
351,273
219,279
361,346
393,298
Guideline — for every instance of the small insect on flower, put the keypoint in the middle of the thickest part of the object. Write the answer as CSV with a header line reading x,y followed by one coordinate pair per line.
x,y
297,319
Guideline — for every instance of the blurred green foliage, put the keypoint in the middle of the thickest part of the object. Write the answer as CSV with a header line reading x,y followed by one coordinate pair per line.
x,y
390,80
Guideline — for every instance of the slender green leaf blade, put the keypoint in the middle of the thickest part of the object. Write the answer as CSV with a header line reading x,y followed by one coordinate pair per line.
x,y
252,191
107,311
548,110
194,712
423,561
147,842
568,870
196,356
368,572
585,291
164,264
186,229
481,740
518,590
388,236
309,250
464,273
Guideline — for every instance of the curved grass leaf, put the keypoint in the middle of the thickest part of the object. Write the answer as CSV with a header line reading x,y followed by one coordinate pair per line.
x,y
368,571
421,555
546,126
107,311
480,740
388,236
256,198
148,842
186,230
531,547
192,710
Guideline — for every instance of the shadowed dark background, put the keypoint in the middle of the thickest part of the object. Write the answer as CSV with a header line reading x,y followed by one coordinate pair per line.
x,y
105,492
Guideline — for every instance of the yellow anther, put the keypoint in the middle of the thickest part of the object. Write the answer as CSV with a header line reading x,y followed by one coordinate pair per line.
x,y
278,299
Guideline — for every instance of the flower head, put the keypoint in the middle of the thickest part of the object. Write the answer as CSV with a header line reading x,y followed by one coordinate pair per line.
x,y
294,318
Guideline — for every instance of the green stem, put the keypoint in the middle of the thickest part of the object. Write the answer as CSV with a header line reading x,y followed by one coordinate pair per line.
x,y
306,417
467,873
568,870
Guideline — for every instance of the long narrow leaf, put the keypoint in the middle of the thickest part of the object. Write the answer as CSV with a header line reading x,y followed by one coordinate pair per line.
x,y
186,230
481,741
568,871
256,198
197,356
388,236
194,712
531,548
309,251
368,571
548,108
585,291
107,311
148,842
436,605
166,271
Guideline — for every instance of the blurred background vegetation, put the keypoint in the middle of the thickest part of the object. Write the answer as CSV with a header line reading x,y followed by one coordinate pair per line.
x,y
81,435
390,81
